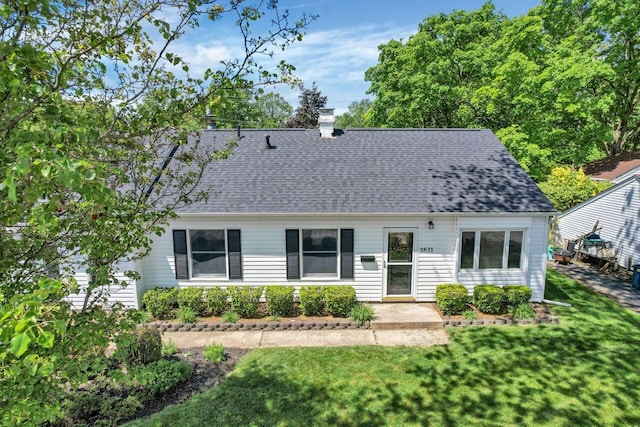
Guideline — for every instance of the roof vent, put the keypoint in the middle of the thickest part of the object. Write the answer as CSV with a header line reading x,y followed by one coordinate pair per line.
x,y
326,122
269,146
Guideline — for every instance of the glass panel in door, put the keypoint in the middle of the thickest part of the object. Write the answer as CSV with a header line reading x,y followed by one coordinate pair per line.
x,y
399,262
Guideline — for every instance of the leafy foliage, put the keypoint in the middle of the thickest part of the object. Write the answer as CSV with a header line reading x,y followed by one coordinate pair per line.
x,y
161,302
516,295
523,311
279,300
340,300
312,300
160,376
488,298
230,317
192,298
451,298
94,96
169,348
566,188
558,85
216,300
245,300
214,352
144,347
308,112
356,117
362,313
187,314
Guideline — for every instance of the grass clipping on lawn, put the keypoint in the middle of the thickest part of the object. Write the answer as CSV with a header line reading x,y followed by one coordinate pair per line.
x,y
582,371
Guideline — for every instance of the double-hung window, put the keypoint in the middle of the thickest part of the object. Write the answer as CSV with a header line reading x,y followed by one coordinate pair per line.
x,y
319,253
491,249
207,253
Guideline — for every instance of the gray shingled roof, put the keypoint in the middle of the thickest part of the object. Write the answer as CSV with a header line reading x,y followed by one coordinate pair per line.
x,y
367,171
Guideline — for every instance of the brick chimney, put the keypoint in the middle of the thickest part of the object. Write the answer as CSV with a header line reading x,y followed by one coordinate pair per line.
x,y
326,122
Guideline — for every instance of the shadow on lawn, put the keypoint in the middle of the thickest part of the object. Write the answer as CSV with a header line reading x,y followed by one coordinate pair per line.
x,y
580,372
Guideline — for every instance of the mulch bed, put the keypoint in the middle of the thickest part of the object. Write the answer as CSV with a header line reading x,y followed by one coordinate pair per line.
x,y
205,375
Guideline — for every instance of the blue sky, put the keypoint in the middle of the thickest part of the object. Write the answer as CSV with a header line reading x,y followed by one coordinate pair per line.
x,y
341,44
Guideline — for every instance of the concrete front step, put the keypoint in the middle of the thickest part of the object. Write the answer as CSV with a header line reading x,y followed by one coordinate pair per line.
x,y
398,316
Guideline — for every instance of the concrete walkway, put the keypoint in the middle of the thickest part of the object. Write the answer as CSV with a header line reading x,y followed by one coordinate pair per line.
x,y
621,292
395,324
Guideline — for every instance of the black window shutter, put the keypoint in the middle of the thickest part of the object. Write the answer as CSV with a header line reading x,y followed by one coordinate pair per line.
x,y
346,253
235,254
293,254
180,257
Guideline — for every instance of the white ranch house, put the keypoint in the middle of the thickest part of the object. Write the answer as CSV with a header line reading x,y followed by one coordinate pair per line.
x,y
392,212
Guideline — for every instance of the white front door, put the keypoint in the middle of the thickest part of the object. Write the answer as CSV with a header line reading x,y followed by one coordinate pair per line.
x,y
399,260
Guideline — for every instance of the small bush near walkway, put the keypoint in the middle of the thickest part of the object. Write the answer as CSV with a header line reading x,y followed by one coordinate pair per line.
x,y
451,298
516,295
245,300
216,300
340,300
312,300
279,300
192,298
488,298
161,302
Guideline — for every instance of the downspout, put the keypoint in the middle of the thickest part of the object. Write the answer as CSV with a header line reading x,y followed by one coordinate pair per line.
x,y
548,301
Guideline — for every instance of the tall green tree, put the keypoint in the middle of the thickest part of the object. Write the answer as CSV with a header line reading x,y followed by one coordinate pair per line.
x,y
356,116
560,85
92,98
308,112
272,111
428,81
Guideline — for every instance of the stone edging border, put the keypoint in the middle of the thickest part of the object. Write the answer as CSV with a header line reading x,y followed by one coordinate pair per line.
x,y
500,321
543,317
254,326
541,310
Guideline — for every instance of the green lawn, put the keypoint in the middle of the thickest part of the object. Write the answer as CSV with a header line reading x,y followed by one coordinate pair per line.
x,y
584,371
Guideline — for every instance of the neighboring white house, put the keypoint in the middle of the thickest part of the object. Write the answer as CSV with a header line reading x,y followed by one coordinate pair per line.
x,y
392,212
617,211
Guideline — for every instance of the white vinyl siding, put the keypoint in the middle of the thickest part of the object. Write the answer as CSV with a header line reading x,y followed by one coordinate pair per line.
x,y
436,257
128,295
617,211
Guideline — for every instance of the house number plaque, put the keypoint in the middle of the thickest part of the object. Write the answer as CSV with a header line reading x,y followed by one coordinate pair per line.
x,y
428,250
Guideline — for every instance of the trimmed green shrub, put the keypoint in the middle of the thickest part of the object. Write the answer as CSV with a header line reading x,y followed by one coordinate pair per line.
x,y
214,352
312,300
362,313
245,300
191,298
160,376
516,295
340,300
451,298
279,300
187,314
161,302
488,298
216,300
145,346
